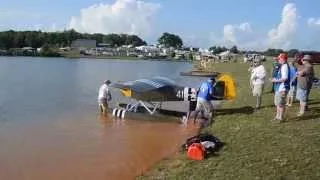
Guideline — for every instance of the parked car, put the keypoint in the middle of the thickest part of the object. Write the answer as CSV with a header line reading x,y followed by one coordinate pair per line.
x,y
251,57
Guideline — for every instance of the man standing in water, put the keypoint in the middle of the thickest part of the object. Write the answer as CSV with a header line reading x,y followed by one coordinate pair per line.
x,y
281,86
104,97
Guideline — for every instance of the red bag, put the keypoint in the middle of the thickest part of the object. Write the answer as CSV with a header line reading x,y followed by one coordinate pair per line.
x,y
196,152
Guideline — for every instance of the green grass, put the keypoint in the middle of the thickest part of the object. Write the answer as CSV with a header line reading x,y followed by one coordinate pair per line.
x,y
256,148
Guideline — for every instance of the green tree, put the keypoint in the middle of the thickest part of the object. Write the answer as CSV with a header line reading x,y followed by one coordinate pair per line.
x,y
234,49
172,54
213,49
17,39
134,40
170,40
48,50
272,52
113,39
293,52
191,56
217,49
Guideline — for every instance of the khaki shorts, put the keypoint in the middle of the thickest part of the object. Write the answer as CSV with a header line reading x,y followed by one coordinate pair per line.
x,y
257,89
302,95
205,107
280,98
103,104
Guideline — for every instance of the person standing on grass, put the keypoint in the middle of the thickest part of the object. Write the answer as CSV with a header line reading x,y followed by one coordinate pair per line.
x,y
257,80
204,105
275,69
293,84
305,78
281,86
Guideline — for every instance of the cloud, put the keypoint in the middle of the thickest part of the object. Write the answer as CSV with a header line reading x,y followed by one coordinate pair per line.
x,y
280,37
246,27
123,16
231,32
244,36
314,22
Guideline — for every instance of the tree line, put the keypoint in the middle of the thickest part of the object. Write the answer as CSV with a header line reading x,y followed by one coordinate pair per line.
x,y
52,40
36,39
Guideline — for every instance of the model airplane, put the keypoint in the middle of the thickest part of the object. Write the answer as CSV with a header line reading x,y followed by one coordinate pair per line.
x,y
149,93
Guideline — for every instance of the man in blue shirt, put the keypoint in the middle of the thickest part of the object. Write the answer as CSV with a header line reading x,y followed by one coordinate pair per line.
x,y
205,95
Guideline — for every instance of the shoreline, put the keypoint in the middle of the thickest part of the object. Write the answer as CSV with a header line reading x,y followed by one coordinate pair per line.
x,y
110,58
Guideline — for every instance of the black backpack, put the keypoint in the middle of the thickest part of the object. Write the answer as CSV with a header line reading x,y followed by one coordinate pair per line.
x,y
201,138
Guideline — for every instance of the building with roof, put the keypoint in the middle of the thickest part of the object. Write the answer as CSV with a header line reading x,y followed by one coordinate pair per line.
x,y
83,44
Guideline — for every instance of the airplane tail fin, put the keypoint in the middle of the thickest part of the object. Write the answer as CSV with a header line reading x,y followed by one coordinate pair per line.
x,y
230,86
126,92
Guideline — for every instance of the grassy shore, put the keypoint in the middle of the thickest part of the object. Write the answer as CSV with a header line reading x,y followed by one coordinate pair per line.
x,y
256,148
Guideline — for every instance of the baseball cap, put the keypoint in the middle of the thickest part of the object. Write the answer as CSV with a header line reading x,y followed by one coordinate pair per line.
x,y
306,58
107,82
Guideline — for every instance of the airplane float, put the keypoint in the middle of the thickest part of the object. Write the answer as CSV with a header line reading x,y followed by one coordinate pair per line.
x,y
149,93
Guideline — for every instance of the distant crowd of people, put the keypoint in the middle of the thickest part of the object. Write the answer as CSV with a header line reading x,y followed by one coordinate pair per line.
x,y
289,80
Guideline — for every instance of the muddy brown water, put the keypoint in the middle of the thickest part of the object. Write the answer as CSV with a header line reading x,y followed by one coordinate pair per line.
x,y
50,128
106,149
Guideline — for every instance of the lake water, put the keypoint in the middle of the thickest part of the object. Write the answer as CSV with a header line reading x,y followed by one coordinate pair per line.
x,y
50,127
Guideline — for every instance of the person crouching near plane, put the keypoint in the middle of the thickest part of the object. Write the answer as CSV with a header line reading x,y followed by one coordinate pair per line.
x,y
257,79
104,97
204,106
305,77
281,86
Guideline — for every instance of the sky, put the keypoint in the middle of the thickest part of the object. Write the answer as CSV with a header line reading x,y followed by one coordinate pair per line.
x,y
249,24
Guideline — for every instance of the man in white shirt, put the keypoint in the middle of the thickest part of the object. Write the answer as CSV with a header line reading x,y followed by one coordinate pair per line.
x,y
281,86
257,79
104,97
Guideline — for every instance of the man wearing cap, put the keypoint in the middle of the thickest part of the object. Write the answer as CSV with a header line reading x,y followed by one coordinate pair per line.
x,y
257,80
104,96
281,86
205,95
305,77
